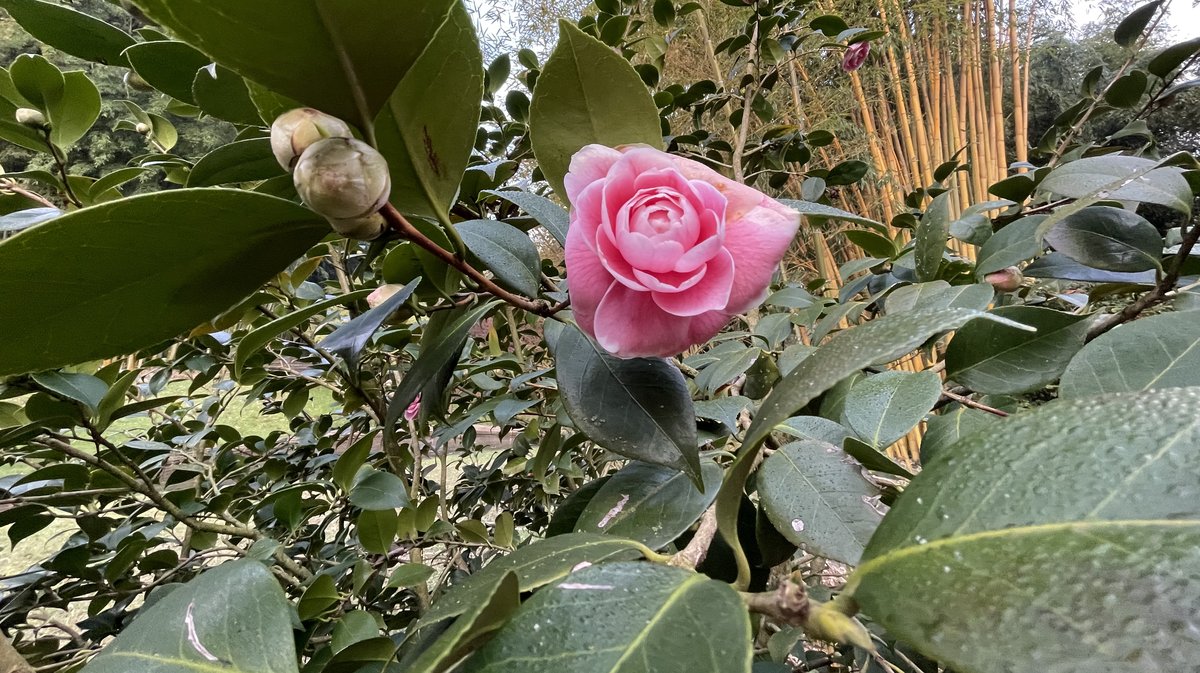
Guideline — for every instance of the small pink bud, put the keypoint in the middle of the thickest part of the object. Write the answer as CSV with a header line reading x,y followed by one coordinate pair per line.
x,y
856,55
382,294
413,409
1005,280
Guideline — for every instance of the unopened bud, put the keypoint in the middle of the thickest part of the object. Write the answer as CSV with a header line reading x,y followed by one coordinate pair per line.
x,y
1005,280
135,81
144,129
827,622
347,181
856,55
294,131
366,228
383,293
31,118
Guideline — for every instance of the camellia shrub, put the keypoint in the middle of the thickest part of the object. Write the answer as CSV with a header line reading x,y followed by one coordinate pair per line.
x,y
438,367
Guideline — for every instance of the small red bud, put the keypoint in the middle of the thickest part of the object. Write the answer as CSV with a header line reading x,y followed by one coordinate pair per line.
x,y
856,55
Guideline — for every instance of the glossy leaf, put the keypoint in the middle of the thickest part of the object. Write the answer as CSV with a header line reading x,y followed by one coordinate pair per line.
x,y
944,429
1112,239
874,459
162,275
1078,554
339,57
241,161
647,400
348,340
939,294
1132,26
821,211
475,624
428,143
815,495
649,503
168,66
1010,246
375,490
535,565
998,359
547,213
223,94
1172,57
82,388
377,529
505,251
69,30
624,618
1161,351
587,93
931,236
232,618
1058,265
882,408
1121,178
878,341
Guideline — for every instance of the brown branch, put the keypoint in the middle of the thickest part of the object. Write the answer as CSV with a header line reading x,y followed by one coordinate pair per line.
x,y
1161,292
693,554
398,224
12,186
968,402
787,604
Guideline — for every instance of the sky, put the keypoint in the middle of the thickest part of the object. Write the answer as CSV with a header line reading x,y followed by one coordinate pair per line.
x,y
1183,17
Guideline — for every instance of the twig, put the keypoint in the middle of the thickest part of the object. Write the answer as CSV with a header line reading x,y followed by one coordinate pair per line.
x,y
12,186
739,149
693,554
1160,293
968,402
788,604
403,228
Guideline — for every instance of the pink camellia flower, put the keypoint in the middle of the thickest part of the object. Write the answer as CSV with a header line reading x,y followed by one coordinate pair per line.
x,y
662,251
413,409
856,55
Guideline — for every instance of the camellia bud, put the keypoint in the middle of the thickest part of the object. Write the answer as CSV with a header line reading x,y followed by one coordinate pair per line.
x,y
30,117
1005,280
144,128
294,131
347,181
856,55
135,81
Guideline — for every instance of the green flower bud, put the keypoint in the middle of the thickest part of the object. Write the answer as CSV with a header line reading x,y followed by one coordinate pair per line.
x,y
347,181
294,131
366,228
30,117
144,129
135,81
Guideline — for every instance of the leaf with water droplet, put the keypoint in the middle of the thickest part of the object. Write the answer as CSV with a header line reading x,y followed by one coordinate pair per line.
x,y
624,618
649,503
1071,540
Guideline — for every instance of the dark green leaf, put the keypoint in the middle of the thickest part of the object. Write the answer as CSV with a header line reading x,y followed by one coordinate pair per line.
x,y
82,388
1120,178
1077,553
587,94
1161,351
1112,239
257,339
163,263
375,489
649,503
939,294
535,565
1011,245
505,251
823,212
1127,91
410,575
1165,62
318,597
874,459
168,66
624,618
428,143
473,626
223,94
377,529
1131,27
882,408
1058,265
547,213
242,161
874,244
998,359
639,408
1016,188
944,429
931,238
816,496
232,618
349,463
71,31
880,340
348,340
339,57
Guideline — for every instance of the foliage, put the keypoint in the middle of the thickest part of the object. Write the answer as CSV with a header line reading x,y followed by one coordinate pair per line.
x,y
458,478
